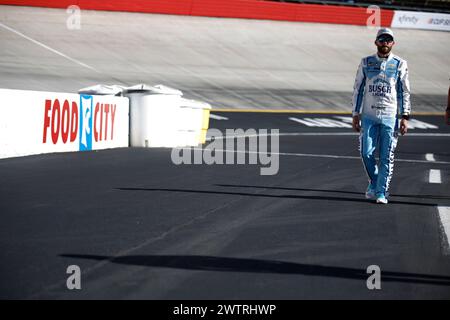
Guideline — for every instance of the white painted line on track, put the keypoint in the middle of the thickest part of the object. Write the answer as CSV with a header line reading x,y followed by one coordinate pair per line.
x,y
421,161
321,122
435,176
430,157
318,134
216,117
311,155
444,216
47,47
428,135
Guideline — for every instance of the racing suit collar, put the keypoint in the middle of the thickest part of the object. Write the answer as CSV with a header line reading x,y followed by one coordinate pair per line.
x,y
387,58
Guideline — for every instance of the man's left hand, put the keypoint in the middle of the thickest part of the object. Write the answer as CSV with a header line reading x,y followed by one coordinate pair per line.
x,y
403,126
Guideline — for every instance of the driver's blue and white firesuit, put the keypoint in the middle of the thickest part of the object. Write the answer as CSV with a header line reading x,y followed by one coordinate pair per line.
x,y
381,95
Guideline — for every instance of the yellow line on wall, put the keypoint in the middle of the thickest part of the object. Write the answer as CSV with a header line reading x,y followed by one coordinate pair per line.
x,y
282,111
431,113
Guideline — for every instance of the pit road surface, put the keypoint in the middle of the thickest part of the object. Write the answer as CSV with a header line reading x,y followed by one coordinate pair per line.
x,y
142,227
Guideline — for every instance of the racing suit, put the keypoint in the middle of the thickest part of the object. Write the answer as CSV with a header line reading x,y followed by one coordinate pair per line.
x,y
381,93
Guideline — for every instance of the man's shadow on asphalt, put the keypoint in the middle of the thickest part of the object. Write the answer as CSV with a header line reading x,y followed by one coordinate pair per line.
x,y
226,264
359,199
415,196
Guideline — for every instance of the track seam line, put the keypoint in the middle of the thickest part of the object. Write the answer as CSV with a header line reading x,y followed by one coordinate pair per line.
x,y
48,48
152,240
129,250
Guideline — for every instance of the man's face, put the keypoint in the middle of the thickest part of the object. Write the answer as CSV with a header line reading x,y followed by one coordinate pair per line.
x,y
384,44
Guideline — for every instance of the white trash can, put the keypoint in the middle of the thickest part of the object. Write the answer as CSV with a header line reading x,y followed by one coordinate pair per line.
x,y
161,117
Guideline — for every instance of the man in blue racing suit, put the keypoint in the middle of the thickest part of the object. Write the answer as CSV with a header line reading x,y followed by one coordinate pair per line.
x,y
381,96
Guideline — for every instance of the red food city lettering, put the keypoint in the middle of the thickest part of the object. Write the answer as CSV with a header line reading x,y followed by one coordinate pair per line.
x,y
103,109
62,121
67,119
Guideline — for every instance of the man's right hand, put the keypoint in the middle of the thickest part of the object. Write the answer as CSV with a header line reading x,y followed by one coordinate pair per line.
x,y
356,123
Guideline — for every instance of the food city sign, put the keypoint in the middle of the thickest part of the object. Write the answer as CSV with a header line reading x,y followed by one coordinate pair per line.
x,y
65,121
35,122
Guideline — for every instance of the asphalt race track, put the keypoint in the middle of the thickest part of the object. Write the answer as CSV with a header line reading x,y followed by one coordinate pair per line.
x,y
141,227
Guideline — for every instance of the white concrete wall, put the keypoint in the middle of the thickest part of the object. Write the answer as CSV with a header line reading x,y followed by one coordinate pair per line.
x,y
34,122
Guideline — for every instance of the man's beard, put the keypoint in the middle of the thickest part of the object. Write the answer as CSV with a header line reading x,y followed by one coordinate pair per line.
x,y
384,50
